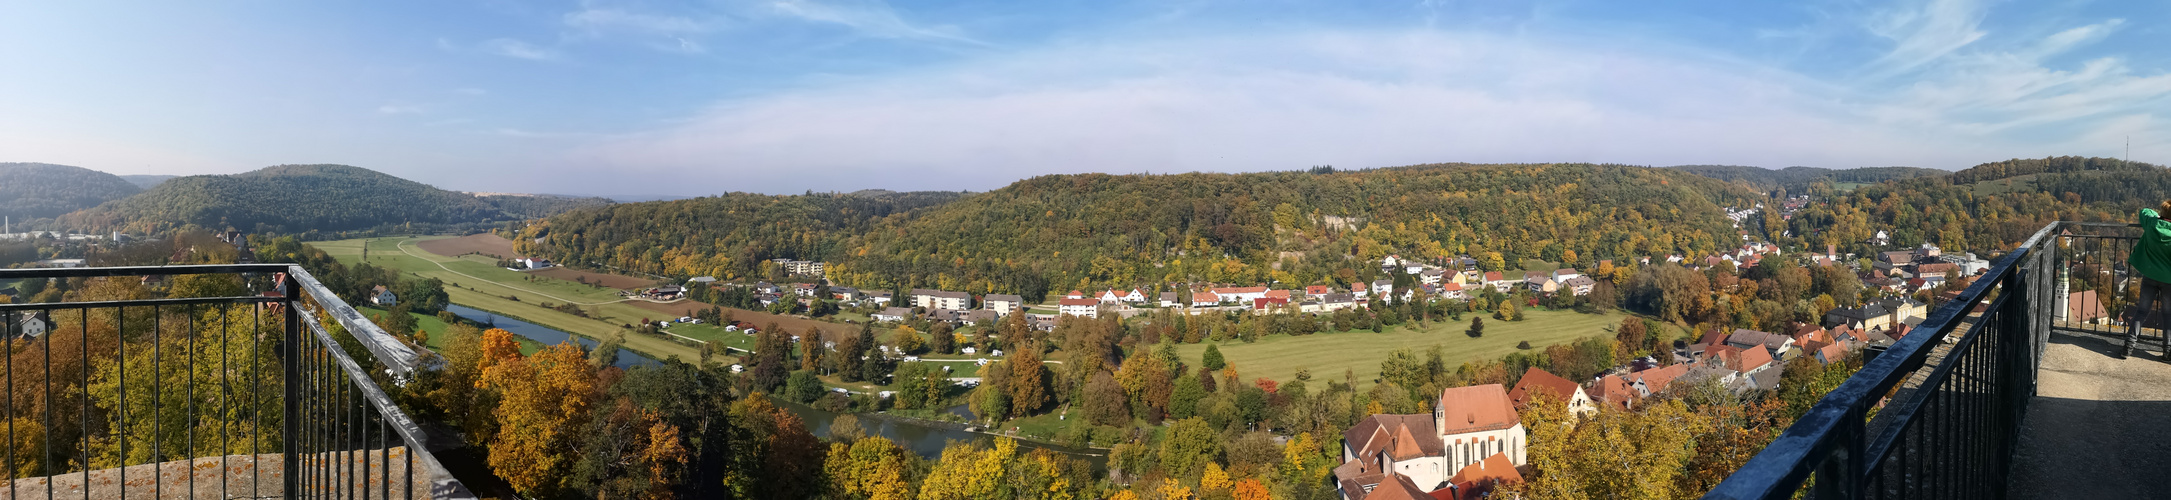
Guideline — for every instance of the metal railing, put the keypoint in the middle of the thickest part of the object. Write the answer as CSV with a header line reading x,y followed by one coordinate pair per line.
x,y
1948,398
242,395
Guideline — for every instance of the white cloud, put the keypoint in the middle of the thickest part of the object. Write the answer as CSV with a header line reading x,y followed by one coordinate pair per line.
x,y
1925,31
1269,103
516,49
868,17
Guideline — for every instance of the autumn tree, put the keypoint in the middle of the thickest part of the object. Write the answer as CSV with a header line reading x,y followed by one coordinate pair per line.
x,y
1028,381
546,398
942,339
1105,400
871,468
970,472
906,340
1190,444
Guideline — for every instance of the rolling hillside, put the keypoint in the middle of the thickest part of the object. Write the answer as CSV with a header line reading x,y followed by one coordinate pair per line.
x,y
39,190
1073,231
287,198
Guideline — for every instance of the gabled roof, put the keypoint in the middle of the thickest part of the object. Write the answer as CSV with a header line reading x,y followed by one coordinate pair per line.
x,y
997,297
941,293
1613,390
1239,289
1493,276
1656,379
1197,297
1832,353
1397,487
1753,358
1403,436
1560,389
1476,408
1079,302
1477,478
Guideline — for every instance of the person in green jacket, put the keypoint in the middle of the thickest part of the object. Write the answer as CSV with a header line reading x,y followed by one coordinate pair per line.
x,y
2152,260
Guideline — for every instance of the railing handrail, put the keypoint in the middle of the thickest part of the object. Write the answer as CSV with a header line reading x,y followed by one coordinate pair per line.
x,y
1788,461
400,359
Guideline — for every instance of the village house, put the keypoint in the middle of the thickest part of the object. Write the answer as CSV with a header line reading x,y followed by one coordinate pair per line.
x,y
1109,297
1135,297
1654,381
1170,299
1501,283
1566,273
1002,304
1614,391
1537,381
938,299
892,315
1205,299
31,324
1453,291
1539,282
1579,285
1074,294
1390,456
1359,290
1384,289
1432,276
2083,307
382,297
1774,344
878,298
1083,308
1240,295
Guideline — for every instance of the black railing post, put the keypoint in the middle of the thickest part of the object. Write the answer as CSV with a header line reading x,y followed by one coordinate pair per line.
x,y
290,442
1839,476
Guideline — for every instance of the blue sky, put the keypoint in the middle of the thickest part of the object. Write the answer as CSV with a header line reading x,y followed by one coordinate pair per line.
x,y
690,98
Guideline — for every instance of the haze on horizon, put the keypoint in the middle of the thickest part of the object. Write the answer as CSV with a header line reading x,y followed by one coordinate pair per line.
x,y
692,98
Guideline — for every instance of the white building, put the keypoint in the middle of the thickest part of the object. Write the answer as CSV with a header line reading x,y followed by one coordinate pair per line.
x,y
1467,425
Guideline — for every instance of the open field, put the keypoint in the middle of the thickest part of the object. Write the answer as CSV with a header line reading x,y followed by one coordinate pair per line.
x,y
436,329
579,276
793,324
1327,354
486,244
474,282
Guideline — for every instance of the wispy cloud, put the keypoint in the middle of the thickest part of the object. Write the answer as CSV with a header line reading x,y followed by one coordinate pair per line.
x,y
399,109
1358,99
868,17
1925,30
517,49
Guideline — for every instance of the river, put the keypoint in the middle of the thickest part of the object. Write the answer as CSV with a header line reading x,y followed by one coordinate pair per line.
x,y
547,335
925,439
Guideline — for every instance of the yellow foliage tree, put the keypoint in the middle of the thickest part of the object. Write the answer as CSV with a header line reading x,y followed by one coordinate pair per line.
x,y
546,399
907,339
1214,479
1251,489
969,472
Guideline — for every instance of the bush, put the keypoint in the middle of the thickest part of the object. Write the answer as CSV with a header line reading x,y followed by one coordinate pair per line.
x,y
1524,345
802,387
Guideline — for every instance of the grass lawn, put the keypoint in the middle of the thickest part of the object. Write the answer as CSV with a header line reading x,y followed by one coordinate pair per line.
x,y
1327,354
436,328
487,295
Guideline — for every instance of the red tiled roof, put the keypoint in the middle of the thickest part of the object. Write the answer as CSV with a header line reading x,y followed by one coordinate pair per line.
x,y
1613,390
1715,337
1451,287
1356,287
1397,487
1656,380
1560,389
1476,408
1278,294
1205,297
1492,276
1833,353
1080,302
1754,357
1318,290
1263,302
1478,477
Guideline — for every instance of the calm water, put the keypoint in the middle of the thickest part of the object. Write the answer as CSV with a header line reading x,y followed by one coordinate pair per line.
x,y
928,441
547,335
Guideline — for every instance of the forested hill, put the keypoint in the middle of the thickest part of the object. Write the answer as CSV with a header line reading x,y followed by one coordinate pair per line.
x,y
1074,231
286,199
39,190
536,206
1798,179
